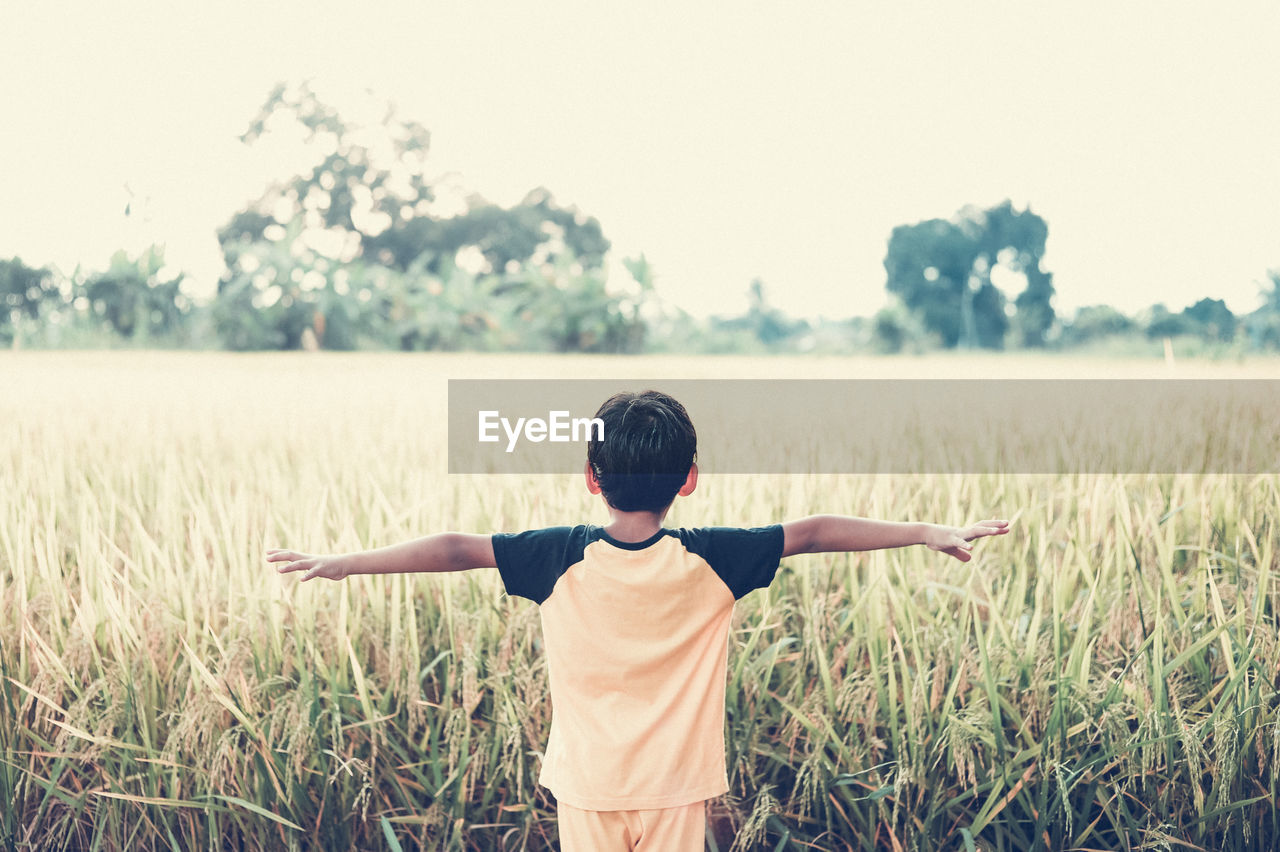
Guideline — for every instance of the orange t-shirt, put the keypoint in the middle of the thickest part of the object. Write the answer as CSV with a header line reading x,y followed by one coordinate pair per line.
x,y
636,635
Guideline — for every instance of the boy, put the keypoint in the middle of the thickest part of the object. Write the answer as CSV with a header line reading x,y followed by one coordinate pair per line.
x,y
635,621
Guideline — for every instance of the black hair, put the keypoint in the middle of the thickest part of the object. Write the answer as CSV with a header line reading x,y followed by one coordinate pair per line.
x,y
644,455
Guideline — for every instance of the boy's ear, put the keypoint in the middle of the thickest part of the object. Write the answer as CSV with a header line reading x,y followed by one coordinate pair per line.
x,y
593,486
690,481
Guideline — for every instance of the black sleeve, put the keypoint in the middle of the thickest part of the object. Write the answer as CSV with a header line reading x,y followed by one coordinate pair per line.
x,y
531,562
745,559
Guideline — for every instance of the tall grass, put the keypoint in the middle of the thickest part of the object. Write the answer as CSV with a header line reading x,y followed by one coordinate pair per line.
x,y
1103,678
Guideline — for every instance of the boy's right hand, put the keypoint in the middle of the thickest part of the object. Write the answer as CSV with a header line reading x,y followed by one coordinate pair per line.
x,y
330,567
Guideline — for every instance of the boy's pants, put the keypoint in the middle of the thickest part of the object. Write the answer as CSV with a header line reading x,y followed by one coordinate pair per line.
x,y
682,829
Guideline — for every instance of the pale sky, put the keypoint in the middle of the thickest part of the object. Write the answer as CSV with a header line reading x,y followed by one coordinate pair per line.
x,y
725,141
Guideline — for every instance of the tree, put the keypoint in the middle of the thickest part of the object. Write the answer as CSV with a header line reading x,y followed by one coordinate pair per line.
x,y
1158,321
536,229
763,326
1212,319
563,309
134,299
942,271
1016,240
272,292
1263,325
1094,322
23,292
367,204
894,330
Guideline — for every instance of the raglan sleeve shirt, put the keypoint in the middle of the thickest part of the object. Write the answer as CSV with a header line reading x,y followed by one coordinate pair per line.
x,y
636,637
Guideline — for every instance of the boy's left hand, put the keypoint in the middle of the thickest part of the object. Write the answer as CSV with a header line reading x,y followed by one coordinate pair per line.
x,y
956,541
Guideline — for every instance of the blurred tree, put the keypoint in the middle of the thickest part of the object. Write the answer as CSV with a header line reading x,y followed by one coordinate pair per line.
x,y
132,298
566,309
367,204
24,290
1016,240
260,302
942,271
454,310
372,190
1263,325
1271,297
1095,322
763,326
1209,319
275,291
1212,319
536,229
895,330
1158,321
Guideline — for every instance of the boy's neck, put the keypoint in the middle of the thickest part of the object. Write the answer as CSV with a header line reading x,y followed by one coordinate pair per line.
x,y
634,526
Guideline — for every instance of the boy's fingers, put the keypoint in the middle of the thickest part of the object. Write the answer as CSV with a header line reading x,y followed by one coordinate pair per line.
x,y
992,527
286,556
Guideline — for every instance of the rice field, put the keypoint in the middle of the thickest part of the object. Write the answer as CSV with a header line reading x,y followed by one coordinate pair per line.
x,y
1105,677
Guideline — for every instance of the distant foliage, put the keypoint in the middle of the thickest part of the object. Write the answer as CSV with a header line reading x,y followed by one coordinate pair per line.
x,y
1212,319
1263,325
361,251
762,328
136,301
24,292
354,254
134,297
1096,322
895,330
942,271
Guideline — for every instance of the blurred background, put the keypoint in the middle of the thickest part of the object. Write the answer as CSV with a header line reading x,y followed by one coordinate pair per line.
x,y
830,178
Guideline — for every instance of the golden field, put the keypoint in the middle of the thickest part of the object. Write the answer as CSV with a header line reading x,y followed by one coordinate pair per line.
x,y
1105,677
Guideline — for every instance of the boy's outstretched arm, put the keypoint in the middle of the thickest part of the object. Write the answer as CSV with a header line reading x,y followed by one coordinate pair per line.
x,y
449,551
828,533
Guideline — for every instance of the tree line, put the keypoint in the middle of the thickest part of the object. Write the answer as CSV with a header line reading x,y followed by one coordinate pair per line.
x,y
356,253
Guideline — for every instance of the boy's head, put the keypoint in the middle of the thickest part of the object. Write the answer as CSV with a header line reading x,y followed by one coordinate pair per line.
x,y
647,450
